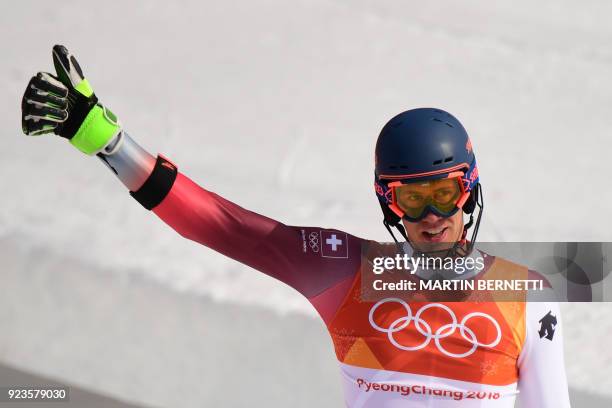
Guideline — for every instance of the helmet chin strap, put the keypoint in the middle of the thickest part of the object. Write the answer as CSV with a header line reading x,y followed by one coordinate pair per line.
x,y
401,230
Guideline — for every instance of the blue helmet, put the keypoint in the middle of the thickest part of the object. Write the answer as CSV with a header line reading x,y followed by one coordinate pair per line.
x,y
424,144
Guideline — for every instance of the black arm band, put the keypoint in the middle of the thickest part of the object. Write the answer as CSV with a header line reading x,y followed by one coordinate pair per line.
x,y
158,185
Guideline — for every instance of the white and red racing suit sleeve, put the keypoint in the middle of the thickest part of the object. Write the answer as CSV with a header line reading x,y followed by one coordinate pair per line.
x,y
542,379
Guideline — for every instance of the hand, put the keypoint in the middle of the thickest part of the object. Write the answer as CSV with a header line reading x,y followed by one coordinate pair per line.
x,y
67,106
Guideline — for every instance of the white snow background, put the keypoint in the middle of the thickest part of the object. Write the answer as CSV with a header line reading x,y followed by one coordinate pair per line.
x,y
276,105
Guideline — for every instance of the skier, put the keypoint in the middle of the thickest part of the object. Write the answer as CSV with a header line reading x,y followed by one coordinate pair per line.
x,y
391,352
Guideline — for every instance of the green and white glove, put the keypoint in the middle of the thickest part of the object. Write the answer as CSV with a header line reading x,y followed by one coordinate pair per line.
x,y
67,106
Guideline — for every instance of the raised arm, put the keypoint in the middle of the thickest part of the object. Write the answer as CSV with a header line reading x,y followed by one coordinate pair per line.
x,y
281,251
317,262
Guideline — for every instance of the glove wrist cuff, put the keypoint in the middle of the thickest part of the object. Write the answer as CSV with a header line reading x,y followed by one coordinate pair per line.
x,y
99,127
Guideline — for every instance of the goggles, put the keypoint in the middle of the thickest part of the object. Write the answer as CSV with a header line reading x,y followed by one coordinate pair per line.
x,y
414,200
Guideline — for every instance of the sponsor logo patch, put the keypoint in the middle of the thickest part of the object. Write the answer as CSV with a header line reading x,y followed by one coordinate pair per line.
x,y
548,323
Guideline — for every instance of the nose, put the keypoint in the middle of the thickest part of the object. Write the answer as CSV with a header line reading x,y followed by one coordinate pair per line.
x,y
431,218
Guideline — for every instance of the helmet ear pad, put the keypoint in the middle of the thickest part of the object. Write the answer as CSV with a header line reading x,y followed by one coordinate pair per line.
x,y
470,204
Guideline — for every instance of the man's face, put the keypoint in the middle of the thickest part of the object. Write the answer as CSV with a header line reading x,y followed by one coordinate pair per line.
x,y
433,230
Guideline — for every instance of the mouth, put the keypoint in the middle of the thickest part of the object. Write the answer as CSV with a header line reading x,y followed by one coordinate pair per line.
x,y
435,235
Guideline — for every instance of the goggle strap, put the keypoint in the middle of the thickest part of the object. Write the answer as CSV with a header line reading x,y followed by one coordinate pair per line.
x,y
464,166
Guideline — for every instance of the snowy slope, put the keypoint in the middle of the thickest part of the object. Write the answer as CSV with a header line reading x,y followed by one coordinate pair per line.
x,y
276,105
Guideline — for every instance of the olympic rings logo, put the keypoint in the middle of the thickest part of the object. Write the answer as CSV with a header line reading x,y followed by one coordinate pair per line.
x,y
313,241
425,329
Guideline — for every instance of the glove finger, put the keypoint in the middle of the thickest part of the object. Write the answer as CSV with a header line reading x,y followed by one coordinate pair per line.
x,y
35,95
46,83
33,91
68,69
36,110
35,127
48,100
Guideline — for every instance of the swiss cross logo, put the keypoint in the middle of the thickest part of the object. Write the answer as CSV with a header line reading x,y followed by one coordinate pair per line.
x,y
334,244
